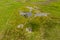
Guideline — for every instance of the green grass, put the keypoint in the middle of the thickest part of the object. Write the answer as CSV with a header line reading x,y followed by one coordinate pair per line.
x,y
53,8
10,18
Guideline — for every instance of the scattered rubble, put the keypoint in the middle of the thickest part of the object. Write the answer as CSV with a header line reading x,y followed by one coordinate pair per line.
x,y
29,14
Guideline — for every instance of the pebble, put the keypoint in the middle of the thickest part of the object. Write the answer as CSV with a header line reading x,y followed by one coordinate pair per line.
x,y
29,30
20,26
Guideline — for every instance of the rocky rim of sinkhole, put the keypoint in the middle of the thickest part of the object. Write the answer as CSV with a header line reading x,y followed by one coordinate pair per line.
x,y
29,15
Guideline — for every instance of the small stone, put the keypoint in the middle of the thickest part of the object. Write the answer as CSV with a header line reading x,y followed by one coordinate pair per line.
x,y
41,14
29,14
29,30
31,8
20,26
26,14
22,13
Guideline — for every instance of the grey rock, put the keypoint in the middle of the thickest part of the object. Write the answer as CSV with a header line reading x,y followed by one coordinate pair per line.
x,y
26,14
